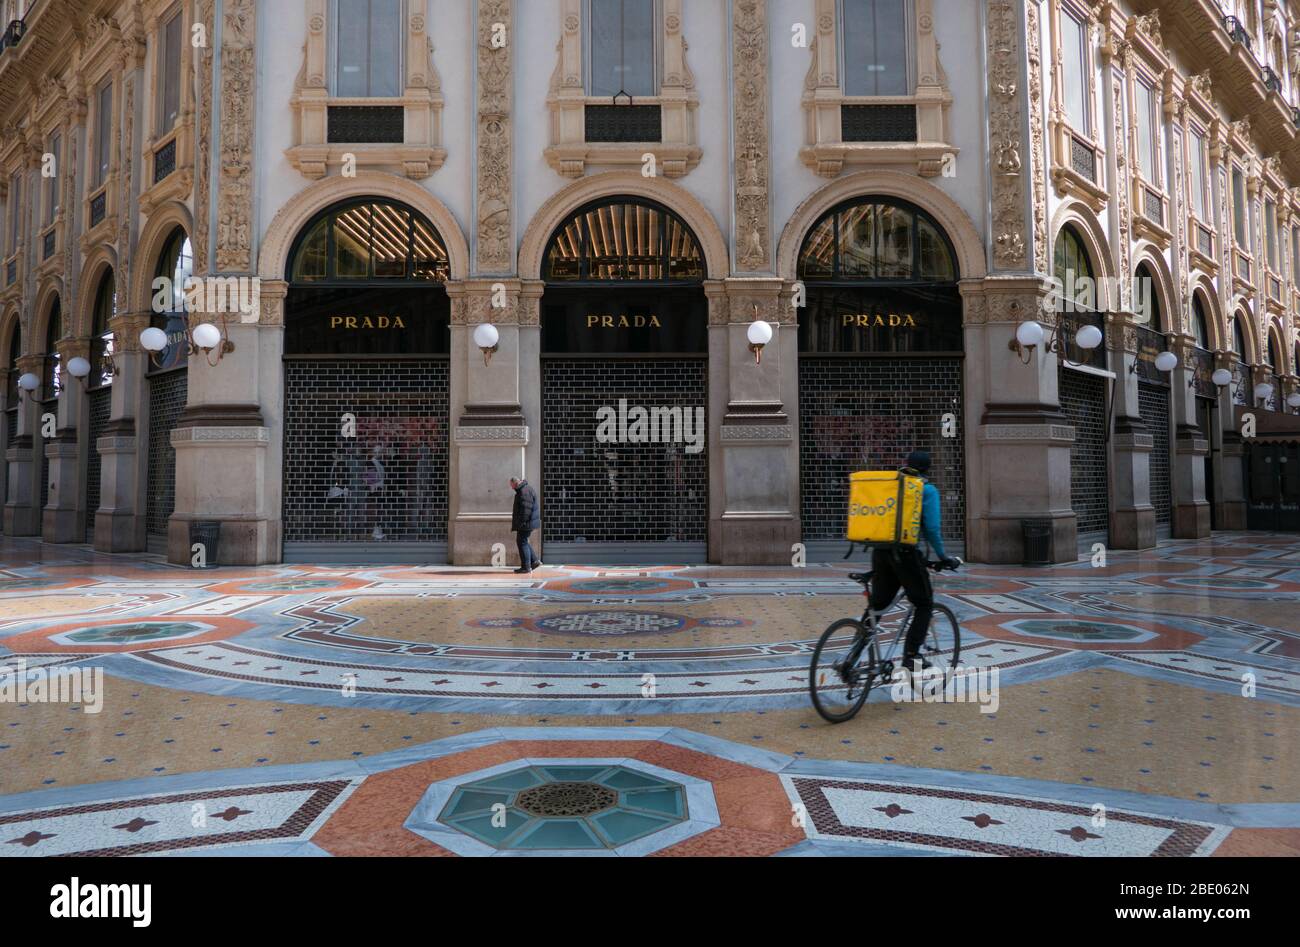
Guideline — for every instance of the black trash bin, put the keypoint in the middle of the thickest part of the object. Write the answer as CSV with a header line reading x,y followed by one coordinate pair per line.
x,y
1038,542
209,534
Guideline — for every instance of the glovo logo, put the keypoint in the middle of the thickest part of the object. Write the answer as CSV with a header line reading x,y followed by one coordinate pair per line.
x,y
861,509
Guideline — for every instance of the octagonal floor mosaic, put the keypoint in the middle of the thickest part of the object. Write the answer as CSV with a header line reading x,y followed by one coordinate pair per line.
x,y
636,711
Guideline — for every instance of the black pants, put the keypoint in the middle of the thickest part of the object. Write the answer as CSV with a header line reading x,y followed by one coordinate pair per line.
x,y
903,567
527,558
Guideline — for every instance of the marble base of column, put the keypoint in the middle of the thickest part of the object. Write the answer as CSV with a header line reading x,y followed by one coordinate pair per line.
x,y
1132,518
1191,519
62,520
490,443
119,522
20,513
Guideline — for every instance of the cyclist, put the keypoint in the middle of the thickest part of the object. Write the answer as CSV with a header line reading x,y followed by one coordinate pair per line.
x,y
904,566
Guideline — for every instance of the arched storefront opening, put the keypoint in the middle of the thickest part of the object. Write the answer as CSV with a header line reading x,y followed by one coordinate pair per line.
x,y
51,387
168,383
1242,384
366,387
99,394
1272,458
1153,394
880,358
624,351
1082,393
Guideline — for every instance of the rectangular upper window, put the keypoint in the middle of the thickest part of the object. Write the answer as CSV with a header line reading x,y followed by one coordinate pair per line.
x,y
1148,126
621,42
1074,61
1196,161
103,133
1239,208
15,211
368,44
1270,234
169,74
876,47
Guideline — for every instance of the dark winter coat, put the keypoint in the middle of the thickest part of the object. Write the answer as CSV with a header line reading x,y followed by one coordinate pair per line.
x,y
526,514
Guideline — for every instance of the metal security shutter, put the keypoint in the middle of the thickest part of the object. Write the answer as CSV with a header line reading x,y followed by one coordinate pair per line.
x,y
101,404
868,414
167,394
381,496
1153,406
1083,399
622,502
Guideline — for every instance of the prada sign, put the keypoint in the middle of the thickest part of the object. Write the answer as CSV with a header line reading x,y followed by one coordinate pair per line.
x,y
623,320
650,320
366,322
871,320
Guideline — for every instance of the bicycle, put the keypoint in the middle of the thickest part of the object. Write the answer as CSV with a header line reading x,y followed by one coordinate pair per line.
x,y
849,677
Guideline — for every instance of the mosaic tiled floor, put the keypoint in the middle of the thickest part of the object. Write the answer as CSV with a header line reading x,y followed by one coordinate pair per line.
x,y
1150,707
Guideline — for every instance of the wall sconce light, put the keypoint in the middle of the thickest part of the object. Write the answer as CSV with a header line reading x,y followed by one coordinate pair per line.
x,y
1166,362
1221,377
27,383
1263,391
204,338
79,368
1293,400
759,334
1029,334
486,338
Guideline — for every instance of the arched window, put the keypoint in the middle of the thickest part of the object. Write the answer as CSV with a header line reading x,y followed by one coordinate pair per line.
x,y
1200,324
52,382
1239,340
867,241
1072,266
101,336
176,266
1147,300
624,239
1272,352
369,240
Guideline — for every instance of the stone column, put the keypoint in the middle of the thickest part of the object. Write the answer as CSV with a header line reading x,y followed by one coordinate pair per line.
x,y
491,429
1132,517
222,441
22,508
1230,472
754,473
123,446
495,396
64,520
1191,447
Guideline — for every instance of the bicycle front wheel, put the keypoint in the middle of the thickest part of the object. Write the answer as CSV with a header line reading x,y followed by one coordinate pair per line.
x,y
842,671
942,646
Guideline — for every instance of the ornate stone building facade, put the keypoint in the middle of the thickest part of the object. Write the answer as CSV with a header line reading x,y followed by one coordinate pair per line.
x,y
393,252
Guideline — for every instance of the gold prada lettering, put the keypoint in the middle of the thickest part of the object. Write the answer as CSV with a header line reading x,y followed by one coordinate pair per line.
x,y
367,322
867,320
623,321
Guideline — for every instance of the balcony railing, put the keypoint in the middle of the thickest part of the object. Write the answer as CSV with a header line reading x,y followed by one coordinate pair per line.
x,y
366,124
98,205
164,161
1237,31
1083,159
48,244
878,123
17,29
1272,81
1202,373
623,123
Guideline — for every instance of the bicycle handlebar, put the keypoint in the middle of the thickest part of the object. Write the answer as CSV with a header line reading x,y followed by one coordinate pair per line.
x,y
935,565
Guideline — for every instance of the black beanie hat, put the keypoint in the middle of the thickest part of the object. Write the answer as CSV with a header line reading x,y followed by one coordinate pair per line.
x,y
919,460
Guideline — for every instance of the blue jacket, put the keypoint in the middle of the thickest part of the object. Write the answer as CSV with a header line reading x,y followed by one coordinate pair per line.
x,y
526,515
930,525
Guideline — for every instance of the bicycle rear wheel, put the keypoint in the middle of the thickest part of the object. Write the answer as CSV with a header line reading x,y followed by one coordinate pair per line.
x,y
844,666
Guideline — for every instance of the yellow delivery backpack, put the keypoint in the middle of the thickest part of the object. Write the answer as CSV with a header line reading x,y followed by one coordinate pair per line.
x,y
885,507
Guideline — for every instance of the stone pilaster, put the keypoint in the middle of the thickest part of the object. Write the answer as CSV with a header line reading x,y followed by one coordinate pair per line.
x,y
753,424
495,405
1191,447
64,519
120,519
753,243
23,506
1132,517
1229,470
494,243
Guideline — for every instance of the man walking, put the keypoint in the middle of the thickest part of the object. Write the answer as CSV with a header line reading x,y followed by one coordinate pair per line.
x,y
525,518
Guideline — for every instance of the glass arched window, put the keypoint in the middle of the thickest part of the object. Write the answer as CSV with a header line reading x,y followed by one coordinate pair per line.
x,y
52,382
369,240
101,336
176,266
624,239
1272,352
1200,324
1072,264
868,241
1147,301
1238,340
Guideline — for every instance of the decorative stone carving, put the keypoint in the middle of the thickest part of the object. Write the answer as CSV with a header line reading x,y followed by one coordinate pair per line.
x,y
1005,121
203,151
235,183
494,141
1038,154
753,172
